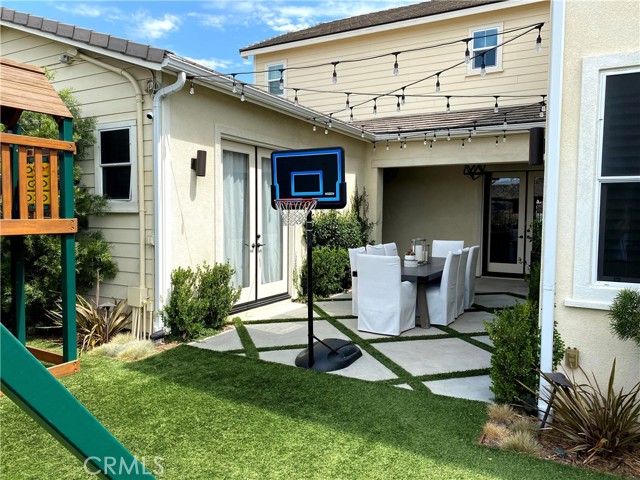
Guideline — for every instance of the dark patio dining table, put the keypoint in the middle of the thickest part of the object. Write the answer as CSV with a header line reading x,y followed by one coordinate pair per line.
x,y
423,274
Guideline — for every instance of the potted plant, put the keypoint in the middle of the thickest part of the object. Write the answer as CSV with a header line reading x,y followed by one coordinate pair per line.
x,y
625,315
410,259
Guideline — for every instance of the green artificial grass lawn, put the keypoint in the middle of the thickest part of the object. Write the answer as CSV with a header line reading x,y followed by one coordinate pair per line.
x,y
211,415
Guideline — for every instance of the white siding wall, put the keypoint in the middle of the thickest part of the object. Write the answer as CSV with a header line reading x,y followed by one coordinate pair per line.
x,y
524,71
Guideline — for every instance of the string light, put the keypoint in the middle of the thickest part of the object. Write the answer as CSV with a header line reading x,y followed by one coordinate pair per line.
x,y
396,70
496,140
469,137
404,144
295,99
398,104
438,82
234,87
387,145
504,136
375,106
334,79
374,146
483,67
351,118
462,143
346,103
425,139
504,123
475,130
398,133
362,135
192,89
330,124
539,40
314,124
448,103
467,54
242,98
281,80
402,98
496,109
430,144
448,135
543,106
326,131
435,139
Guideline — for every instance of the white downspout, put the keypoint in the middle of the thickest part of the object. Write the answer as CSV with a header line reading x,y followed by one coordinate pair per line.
x,y
160,193
142,277
551,194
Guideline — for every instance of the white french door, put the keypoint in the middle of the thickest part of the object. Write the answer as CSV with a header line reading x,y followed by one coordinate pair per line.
x,y
255,241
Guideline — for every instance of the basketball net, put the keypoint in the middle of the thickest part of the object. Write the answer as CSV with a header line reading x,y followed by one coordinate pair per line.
x,y
295,211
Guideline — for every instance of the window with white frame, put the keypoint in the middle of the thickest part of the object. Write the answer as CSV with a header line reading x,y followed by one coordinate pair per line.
x,y
607,226
115,159
619,178
484,48
275,78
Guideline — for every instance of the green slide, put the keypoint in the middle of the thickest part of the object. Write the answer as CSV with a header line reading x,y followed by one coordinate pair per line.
x,y
25,381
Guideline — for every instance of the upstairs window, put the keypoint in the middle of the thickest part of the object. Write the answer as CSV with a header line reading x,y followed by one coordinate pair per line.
x,y
619,179
275,78
484,43
116,165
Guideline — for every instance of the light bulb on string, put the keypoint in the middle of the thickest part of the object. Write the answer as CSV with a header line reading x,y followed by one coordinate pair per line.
x,y
404,144
281,82
375,106
425,139
398,104
462,144
544,103
467,54
469,137
396,69
504,123
435,138
475,128
539,40
314,124
192,89
448,135
496,109
504,136
374,146
448,104
387,145
496,140
351,117
438,82
295,99
234,87
330,124
242,98
483,67
334,78
431,144
362,133
346,103
326,131
398,133
402,98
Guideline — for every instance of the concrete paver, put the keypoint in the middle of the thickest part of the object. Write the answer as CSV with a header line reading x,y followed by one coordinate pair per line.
x,y
227,340
497,301
471,322
339,308
352,324
290,333
471,388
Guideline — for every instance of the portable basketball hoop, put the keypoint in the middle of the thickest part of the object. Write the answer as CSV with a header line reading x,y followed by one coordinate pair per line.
x,y
294,211
302,181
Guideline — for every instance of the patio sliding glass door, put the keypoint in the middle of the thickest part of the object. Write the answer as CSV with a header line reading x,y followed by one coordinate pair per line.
x,y
254,238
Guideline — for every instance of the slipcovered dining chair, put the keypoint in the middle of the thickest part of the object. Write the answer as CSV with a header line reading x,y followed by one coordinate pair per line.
x,y
441,299
376,249
460,281
440,248
386,304
470,277
353,252
390,249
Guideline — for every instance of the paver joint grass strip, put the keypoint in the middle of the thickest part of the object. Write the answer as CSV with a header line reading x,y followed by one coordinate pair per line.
x,y
250,349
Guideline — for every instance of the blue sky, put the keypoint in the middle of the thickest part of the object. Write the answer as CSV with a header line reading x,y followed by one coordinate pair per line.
x,y
209,32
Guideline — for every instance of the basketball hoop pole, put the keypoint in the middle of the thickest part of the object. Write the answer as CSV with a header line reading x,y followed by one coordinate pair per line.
x,y
310,286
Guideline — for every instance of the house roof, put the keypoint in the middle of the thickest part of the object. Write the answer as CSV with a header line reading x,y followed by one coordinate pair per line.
x,y
383,17
485,120
25,87
84,35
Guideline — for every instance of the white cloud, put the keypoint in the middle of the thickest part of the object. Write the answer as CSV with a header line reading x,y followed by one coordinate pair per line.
x,y
213,63
217,22
86,10
152,28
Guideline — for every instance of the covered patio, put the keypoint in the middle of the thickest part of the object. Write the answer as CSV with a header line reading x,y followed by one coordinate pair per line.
x,y
451,361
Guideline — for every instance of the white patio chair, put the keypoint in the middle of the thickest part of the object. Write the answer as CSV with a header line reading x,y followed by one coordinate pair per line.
x,y
386,305
470,277
440,248
390,249
353,252
441,299
376,249
460,281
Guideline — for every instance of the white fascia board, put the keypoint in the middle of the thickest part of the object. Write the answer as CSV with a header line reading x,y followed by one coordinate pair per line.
x,y
86,47
390,26
223,84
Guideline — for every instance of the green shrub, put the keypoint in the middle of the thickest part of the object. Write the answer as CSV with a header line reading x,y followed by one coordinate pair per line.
x,y
199,298
184,313
328,272
216,288
337,230
596,422
516,339
625,315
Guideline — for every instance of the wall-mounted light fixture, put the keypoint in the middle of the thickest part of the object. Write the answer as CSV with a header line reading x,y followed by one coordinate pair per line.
x,y
199,164
473,172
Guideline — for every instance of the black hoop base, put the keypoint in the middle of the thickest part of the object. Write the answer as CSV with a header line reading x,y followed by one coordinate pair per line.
x,y
329,355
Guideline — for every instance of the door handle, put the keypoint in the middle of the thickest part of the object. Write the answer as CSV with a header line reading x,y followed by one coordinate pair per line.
x,y
260,244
